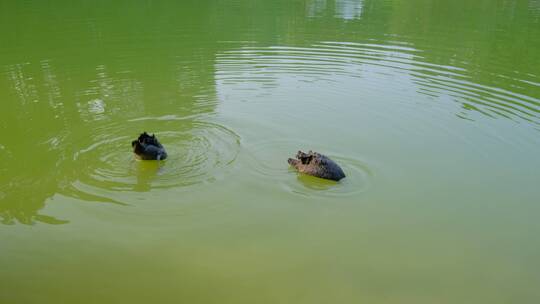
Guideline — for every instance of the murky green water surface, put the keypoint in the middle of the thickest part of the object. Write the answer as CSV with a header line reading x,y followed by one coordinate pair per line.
x,y
431,107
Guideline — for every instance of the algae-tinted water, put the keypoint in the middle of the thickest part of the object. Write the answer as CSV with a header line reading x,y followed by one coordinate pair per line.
x,y
431,107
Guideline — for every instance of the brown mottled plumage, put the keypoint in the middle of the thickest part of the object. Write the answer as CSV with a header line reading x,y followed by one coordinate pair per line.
x,y
315,164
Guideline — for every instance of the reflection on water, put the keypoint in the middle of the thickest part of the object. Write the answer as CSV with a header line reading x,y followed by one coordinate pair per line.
x,y
22,84
317,184
21,201
51,84
146,173
534,7
349,9
344,9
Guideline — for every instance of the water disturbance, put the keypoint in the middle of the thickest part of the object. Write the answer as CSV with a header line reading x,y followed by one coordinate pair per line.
x,y
432,109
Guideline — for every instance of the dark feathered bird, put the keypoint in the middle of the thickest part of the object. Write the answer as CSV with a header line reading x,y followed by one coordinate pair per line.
x,y
147,147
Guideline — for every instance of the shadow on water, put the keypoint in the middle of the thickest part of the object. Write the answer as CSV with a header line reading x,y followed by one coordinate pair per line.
x,y
147,172
87,83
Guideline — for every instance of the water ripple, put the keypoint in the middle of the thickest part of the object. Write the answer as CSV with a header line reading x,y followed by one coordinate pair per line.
x,y
392,65
198,150
268,160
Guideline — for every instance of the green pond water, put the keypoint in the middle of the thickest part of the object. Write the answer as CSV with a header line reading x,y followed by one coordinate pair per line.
x,y
431,107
